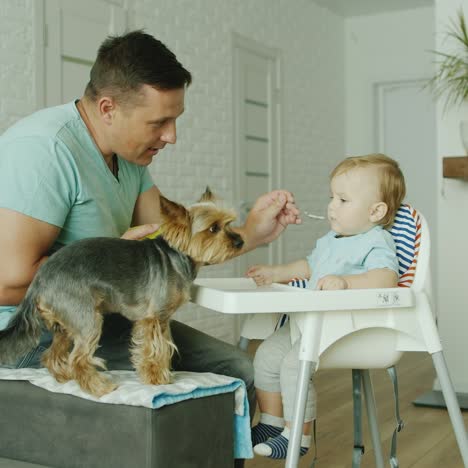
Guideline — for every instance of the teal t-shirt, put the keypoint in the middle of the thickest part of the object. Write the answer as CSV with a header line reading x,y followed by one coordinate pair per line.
x,y
352,255
51,170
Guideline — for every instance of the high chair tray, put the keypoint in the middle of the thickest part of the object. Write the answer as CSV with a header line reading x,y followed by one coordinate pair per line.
x,y
242,296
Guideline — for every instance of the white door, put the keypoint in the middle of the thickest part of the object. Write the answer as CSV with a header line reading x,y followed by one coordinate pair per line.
x,y
406,131
73,31
256,134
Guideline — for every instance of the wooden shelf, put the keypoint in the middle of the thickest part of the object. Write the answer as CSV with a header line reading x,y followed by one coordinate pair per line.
x,y
456,167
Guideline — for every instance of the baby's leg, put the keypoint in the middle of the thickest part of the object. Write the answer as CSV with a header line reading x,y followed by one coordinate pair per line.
x,y
267,365
289,374
277,447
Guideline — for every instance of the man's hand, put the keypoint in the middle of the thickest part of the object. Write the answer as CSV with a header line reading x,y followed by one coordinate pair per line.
x,y
269,217
139,232
332,282
263,275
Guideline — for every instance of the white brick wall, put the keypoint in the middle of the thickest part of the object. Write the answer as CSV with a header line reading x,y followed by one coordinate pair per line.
x,y
311,40
16,57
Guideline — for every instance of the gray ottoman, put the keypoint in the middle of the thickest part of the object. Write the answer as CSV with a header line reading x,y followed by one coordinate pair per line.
x,y
63,431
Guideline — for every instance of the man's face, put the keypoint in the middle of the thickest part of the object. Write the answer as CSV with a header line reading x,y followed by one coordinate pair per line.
x,y
140,130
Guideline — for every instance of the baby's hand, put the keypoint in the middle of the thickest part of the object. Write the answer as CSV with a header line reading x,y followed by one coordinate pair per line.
x,y
261,274
332,282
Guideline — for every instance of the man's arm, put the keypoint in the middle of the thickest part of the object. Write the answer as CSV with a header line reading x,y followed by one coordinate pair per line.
x,y
24,242
268,218
147,210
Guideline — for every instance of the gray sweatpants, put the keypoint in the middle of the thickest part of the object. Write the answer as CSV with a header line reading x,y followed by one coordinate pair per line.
x,y
276,367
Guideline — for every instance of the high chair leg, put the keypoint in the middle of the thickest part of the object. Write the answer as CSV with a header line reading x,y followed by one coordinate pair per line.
x,y
452,404
394,463
305,369
372,418
358,448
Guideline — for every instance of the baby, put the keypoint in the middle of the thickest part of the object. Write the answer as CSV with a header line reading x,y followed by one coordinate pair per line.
x,y
357,253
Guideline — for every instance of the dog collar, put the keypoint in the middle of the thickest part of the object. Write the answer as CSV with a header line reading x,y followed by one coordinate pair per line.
x,y
153,235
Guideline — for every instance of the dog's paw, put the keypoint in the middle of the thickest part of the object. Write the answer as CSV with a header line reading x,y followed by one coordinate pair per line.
x,y
60,370
155,375
97,384
106,388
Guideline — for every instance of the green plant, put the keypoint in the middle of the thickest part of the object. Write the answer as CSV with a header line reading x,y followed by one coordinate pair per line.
x,y
451,78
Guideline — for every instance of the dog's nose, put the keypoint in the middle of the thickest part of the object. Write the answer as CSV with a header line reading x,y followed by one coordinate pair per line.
x,y
238,242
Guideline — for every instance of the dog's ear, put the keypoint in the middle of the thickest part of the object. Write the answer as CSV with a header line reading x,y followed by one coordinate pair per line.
x,y
172,209
207,196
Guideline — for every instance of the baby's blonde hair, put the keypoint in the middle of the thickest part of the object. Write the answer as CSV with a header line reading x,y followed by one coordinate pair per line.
x,y
392,181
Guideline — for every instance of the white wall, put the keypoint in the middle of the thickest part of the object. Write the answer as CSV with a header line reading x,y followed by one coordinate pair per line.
x,y
388,61
17,96
385,47
393,47
311,42
453,225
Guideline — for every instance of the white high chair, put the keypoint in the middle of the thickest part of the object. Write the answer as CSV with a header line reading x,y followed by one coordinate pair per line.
x,y
351,329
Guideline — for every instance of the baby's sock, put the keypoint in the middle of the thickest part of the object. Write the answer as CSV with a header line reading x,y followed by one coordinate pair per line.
x,y
277,447
269,426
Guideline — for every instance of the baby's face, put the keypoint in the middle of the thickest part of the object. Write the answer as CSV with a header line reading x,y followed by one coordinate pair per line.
x,y
353,195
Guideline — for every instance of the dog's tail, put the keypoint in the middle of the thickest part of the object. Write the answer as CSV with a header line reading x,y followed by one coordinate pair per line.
x,y
22,333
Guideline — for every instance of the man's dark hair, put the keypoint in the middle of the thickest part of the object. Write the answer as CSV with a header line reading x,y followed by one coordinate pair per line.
x,y
125,63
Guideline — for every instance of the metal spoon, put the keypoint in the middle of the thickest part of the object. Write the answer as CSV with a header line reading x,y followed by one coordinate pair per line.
x,y
313,216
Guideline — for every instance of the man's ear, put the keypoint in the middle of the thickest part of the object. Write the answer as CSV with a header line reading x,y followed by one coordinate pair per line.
x,y
106,107
172,209
378,212
207,196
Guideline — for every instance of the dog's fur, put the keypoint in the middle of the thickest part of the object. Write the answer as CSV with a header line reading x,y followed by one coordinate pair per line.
x,y
145,281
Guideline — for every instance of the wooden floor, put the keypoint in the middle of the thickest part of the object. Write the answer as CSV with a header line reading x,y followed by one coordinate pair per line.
x,y
427,440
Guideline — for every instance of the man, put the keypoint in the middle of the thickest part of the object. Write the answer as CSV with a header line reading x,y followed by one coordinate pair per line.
x,y
80,170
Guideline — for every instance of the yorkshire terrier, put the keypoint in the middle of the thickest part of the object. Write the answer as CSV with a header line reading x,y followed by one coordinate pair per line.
x,y
145,281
